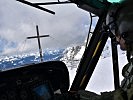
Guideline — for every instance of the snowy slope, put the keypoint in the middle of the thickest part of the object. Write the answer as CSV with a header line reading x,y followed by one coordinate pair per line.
x,y
102,78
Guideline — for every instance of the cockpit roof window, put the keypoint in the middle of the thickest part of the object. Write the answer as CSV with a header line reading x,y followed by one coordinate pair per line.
x,y
113,1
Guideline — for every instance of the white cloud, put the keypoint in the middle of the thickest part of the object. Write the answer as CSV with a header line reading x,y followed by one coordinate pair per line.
x,y
18,21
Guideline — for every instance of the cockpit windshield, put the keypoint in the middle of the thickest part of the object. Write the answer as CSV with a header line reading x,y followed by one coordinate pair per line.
x,y
29,35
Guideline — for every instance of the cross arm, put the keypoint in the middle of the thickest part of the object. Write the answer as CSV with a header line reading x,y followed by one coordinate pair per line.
x,y
37,36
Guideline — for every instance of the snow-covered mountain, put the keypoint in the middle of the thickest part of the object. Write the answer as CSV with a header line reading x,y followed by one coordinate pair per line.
x,y
7,62
71,56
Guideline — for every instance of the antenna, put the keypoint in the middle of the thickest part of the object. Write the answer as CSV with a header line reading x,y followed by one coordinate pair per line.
x,y
39,44
37,5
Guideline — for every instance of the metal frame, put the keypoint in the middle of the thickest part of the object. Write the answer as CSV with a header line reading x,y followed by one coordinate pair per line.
x,y
90,57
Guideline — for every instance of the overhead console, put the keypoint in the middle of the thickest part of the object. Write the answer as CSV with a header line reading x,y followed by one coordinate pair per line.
x,y
34,82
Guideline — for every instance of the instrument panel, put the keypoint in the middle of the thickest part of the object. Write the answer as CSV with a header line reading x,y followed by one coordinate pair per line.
x,y
34,82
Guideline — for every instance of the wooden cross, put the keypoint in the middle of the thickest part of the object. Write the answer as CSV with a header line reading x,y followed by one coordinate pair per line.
x,y
39,44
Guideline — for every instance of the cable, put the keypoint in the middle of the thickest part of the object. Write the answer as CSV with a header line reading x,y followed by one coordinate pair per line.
x,y
22,46
89,31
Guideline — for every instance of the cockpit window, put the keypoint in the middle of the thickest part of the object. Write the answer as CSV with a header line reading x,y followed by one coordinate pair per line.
x,y
112,1
67,31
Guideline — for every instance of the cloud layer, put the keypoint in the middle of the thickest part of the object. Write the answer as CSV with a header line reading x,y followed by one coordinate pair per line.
x,y
18,21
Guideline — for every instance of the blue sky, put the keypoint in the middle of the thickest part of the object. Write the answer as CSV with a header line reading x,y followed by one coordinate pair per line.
x,y
67,27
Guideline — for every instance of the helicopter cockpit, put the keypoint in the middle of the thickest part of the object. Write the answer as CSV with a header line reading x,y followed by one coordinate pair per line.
x,y
43,80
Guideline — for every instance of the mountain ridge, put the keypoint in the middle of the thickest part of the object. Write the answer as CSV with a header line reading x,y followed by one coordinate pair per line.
x,y
70,56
